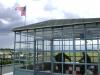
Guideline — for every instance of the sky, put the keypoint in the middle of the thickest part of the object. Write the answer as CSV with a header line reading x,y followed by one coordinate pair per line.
x,y
41,10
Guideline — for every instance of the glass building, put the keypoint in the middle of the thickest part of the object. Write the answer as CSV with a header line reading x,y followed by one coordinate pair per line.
x,y
58,47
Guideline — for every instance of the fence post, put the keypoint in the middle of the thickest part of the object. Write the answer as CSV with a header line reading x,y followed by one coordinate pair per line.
x,y
0,66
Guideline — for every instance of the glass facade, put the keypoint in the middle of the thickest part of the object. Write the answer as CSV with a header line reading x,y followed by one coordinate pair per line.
x,y
59,50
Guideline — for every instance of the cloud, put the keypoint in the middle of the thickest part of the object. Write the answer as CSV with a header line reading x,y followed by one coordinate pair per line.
x,y
37,11
46,9
41,10
49,6
8,19
69,15
7,41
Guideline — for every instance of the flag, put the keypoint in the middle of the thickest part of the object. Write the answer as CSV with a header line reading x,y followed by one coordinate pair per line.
x,y
22,10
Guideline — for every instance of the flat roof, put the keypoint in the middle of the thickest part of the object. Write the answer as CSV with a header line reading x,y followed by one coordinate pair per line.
x,y
57,22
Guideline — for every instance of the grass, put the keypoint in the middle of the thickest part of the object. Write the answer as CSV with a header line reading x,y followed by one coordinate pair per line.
x,y
93,55
77,55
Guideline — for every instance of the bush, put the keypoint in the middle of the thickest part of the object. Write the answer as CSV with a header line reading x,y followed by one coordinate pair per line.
x,y
5,61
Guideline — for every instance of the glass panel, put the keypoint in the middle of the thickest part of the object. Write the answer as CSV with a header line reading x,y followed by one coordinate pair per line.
x,y
78,43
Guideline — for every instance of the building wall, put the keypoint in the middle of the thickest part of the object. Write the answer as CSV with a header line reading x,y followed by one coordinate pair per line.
x,y
36,49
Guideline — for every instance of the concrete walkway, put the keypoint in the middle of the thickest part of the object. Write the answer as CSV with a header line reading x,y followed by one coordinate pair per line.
x,y
10,73
7,69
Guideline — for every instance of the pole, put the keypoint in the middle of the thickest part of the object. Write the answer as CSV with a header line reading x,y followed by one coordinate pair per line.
x,y
24,10
1,66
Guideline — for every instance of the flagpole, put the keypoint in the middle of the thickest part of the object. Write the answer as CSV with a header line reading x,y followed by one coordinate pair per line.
x,y
25,15
25,20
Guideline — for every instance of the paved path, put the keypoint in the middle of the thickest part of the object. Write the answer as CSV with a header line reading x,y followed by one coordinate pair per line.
x,y
11,73
7,69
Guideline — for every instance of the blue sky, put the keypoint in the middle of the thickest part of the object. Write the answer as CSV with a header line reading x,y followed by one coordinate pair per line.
x,y
40,10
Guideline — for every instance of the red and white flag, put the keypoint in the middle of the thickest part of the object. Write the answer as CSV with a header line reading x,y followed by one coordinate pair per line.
x,y
22,10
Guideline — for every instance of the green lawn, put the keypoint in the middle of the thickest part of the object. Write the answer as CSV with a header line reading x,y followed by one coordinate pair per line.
x,y
77,55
